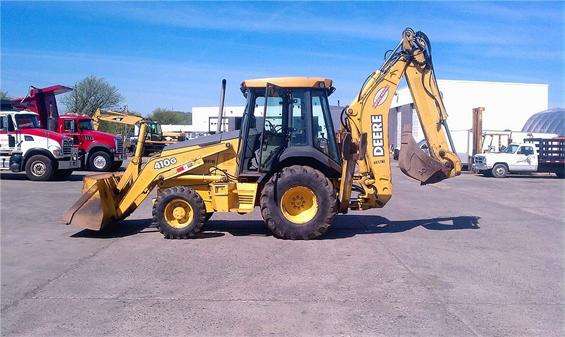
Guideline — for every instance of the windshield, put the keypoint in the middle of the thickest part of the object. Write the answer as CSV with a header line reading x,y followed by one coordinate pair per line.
x,y
85,124
27,121
511,148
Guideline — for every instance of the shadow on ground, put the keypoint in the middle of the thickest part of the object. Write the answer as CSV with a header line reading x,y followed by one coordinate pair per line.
x,y
344,226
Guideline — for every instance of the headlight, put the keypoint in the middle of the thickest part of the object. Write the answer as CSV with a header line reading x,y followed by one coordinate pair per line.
x,y
57,152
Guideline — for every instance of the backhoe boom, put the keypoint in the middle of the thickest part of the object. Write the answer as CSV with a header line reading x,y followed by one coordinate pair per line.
x,y
365,128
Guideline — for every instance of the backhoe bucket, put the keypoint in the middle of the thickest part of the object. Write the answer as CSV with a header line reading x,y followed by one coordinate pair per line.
x,y
96,206
417,164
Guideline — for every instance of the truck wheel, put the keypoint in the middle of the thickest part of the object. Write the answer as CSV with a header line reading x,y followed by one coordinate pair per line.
x,y
499,171
179,212
62,174
560,174
299,203
39,168
99,161
116,165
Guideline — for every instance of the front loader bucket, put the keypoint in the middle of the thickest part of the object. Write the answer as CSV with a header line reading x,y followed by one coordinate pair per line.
x,y
96,207
417,164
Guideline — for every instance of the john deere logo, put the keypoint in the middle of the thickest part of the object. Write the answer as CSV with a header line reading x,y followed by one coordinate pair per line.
x,y
377,133
380,96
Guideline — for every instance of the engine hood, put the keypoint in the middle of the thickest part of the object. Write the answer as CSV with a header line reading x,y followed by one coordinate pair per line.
x,y
500,156
43,133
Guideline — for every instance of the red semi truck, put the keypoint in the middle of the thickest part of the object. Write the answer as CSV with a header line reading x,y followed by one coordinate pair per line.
x,y
98,151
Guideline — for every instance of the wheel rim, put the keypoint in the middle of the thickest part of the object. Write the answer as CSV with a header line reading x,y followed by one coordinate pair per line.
x,y
99,162
500,171
179,213
38,168
299,204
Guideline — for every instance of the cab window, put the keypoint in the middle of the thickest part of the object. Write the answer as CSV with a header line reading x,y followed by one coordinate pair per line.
x,y
69,125
85,124
527,150
322,128
27,121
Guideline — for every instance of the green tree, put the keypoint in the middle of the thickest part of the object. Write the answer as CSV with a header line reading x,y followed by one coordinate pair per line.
x,y
4,95
90,94
166,116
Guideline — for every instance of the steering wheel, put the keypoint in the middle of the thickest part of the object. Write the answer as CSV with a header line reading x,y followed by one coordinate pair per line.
x,y
273,128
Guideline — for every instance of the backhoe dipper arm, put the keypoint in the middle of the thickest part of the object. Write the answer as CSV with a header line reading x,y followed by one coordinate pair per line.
x,y
365,128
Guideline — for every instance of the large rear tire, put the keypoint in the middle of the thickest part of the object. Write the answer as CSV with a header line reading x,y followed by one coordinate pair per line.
x,y
179,212
298,203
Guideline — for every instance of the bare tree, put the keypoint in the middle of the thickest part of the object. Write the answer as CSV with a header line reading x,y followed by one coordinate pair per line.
x,y
4,95
90,94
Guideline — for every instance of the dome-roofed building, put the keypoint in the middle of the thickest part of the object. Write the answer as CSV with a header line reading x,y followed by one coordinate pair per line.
x,y
548,121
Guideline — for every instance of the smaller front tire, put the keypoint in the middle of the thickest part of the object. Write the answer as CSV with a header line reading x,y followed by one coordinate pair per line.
x,y
179,212
499,171
39,168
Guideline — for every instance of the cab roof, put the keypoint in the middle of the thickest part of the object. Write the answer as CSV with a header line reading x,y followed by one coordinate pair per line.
x,y
288,82
18,112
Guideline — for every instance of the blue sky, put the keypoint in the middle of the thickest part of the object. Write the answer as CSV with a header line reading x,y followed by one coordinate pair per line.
x,y
173,54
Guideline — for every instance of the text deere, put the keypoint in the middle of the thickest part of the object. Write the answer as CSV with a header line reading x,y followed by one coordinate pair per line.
x,y
378,139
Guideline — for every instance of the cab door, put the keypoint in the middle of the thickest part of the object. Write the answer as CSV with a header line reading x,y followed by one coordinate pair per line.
x,y
7,135
525,159
274,137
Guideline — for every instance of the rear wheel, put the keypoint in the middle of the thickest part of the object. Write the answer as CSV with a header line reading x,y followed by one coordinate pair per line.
x,y
99,161
499,171
298,203
179,212
39,168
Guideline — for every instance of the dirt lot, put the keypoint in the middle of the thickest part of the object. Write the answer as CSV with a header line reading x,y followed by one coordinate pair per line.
x,y
470,256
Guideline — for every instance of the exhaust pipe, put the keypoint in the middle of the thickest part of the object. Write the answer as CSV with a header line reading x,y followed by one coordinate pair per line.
x,y
221,111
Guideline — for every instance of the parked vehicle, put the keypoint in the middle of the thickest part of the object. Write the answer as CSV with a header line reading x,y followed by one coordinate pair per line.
x,y
42,154
533,155
98,151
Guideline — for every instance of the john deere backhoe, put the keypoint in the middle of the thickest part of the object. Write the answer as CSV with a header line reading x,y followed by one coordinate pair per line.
x,y
290,165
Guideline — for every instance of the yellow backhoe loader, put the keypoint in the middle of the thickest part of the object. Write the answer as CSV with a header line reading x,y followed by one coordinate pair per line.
x,y
290,164
155,139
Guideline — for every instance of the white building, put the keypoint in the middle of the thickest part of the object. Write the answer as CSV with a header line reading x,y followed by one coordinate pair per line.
x,y
507,107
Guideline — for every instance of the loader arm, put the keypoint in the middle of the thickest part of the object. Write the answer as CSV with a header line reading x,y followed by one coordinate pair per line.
x,y
365,136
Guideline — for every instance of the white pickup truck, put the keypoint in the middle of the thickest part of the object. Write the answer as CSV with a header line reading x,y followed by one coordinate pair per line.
x,y
534,155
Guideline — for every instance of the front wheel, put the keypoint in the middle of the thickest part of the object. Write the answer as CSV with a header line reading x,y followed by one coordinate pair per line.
x,y
298,203
499,171
39,168
99,161
179,212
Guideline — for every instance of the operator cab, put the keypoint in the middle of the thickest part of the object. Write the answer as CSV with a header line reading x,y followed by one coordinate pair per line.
x,y
287,121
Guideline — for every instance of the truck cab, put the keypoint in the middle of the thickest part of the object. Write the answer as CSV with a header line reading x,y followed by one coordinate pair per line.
x,y
42,154
516,158
99,151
